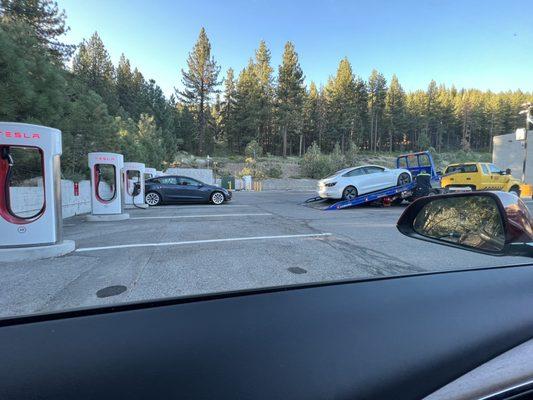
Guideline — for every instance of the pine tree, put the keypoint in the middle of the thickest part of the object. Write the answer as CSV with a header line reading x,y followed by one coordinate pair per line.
x,y
46,20
290,94
311,129
200,82
341,93
228,109
377,90
92,64
124,86
395,113
263,72
247,107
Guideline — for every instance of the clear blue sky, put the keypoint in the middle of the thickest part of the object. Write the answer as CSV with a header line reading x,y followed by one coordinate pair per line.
x,y
482,44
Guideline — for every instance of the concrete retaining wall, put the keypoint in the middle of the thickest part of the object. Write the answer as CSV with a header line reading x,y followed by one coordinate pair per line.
x,y
28,200
202,174
289,184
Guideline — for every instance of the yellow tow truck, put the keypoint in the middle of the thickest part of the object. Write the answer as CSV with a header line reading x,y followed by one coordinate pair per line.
x,y
479,176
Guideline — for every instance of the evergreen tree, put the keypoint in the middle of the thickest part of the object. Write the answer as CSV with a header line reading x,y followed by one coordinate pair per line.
x,y
126,95
263,72
46,20
200,82
247,107
290,94
227,122
377,91
93,66
341,92
395,113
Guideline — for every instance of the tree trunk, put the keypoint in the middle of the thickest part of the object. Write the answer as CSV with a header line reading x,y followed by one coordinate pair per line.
x,y
201,133
284,134
301,144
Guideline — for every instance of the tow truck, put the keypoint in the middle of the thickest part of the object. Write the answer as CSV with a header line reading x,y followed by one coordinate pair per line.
x,y
426,181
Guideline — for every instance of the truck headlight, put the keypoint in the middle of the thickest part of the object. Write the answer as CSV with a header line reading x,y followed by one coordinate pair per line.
x,y
330,184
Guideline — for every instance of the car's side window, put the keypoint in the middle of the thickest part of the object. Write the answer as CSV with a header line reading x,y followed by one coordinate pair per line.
x,y
485,169
169,180
187,181
494,169
373,170
355,172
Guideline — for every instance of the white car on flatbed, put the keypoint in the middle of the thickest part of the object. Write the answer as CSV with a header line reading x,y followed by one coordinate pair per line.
x,y
349,183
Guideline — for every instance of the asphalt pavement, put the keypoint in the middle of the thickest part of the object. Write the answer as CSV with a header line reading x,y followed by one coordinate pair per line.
x,y
257,240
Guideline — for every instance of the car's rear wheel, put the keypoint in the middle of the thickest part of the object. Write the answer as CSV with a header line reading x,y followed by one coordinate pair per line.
x,y
152,199
217,198
349,193
404,179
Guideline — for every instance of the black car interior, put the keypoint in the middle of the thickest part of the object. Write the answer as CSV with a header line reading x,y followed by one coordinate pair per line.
x,y
388,338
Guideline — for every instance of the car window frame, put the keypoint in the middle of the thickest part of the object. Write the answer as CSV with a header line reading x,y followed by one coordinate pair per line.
x,y
381,169
349,173
196,182
496,171
162,180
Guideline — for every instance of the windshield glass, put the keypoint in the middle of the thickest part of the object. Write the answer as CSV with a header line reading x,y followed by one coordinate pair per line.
x,y
237,113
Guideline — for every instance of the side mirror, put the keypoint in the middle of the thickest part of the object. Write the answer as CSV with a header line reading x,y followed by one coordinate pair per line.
x,y
495,223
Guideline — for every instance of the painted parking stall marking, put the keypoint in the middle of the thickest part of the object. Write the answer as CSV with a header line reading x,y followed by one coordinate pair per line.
x,y
190,242
203,216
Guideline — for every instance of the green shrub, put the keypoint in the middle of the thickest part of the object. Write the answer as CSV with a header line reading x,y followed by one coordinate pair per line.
x,y
314,164
274,171
253,149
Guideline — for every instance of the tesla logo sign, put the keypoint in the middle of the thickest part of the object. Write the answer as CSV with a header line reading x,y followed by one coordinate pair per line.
x,y
103,158
20,135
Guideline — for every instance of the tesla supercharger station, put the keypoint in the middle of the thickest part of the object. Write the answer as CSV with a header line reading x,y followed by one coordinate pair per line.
x,y
30,193
133,174
106,178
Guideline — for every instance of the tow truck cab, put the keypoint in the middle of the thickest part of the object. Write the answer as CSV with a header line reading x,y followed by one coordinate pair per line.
x,y
479,176
419,163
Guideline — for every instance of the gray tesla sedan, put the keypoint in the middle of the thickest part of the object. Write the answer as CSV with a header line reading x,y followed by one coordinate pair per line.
x,y
182,189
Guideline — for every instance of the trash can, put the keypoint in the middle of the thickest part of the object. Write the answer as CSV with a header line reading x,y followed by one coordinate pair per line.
x,y
228,182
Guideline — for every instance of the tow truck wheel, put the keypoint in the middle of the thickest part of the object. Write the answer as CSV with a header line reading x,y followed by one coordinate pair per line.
x,y
404,179
349,193
515,190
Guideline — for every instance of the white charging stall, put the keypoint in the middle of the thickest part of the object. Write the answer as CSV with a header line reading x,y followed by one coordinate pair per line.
x,y
106,178
30,193
149,173
133,174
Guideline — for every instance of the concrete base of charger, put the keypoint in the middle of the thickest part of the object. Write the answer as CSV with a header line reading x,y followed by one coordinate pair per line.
x,y
131,206
37,252
107,217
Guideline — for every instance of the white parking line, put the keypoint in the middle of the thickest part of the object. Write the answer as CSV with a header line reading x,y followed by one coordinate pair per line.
x,y
237,239
201,216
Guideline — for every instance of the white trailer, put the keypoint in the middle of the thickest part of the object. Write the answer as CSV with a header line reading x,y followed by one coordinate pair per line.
x,y
507,152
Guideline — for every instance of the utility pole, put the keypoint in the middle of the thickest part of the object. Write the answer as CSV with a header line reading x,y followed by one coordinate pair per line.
x,y
527,109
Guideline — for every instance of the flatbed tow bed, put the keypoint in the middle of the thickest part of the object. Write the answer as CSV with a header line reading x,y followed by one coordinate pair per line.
x,y
404,191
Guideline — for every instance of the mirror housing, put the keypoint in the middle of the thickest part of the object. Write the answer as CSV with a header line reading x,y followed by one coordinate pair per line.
x,y
506,216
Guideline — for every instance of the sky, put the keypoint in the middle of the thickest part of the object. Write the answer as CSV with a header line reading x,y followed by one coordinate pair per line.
x,y
471,44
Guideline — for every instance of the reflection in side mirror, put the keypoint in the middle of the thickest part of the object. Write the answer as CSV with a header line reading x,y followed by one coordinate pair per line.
x,y
494,223
471,222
